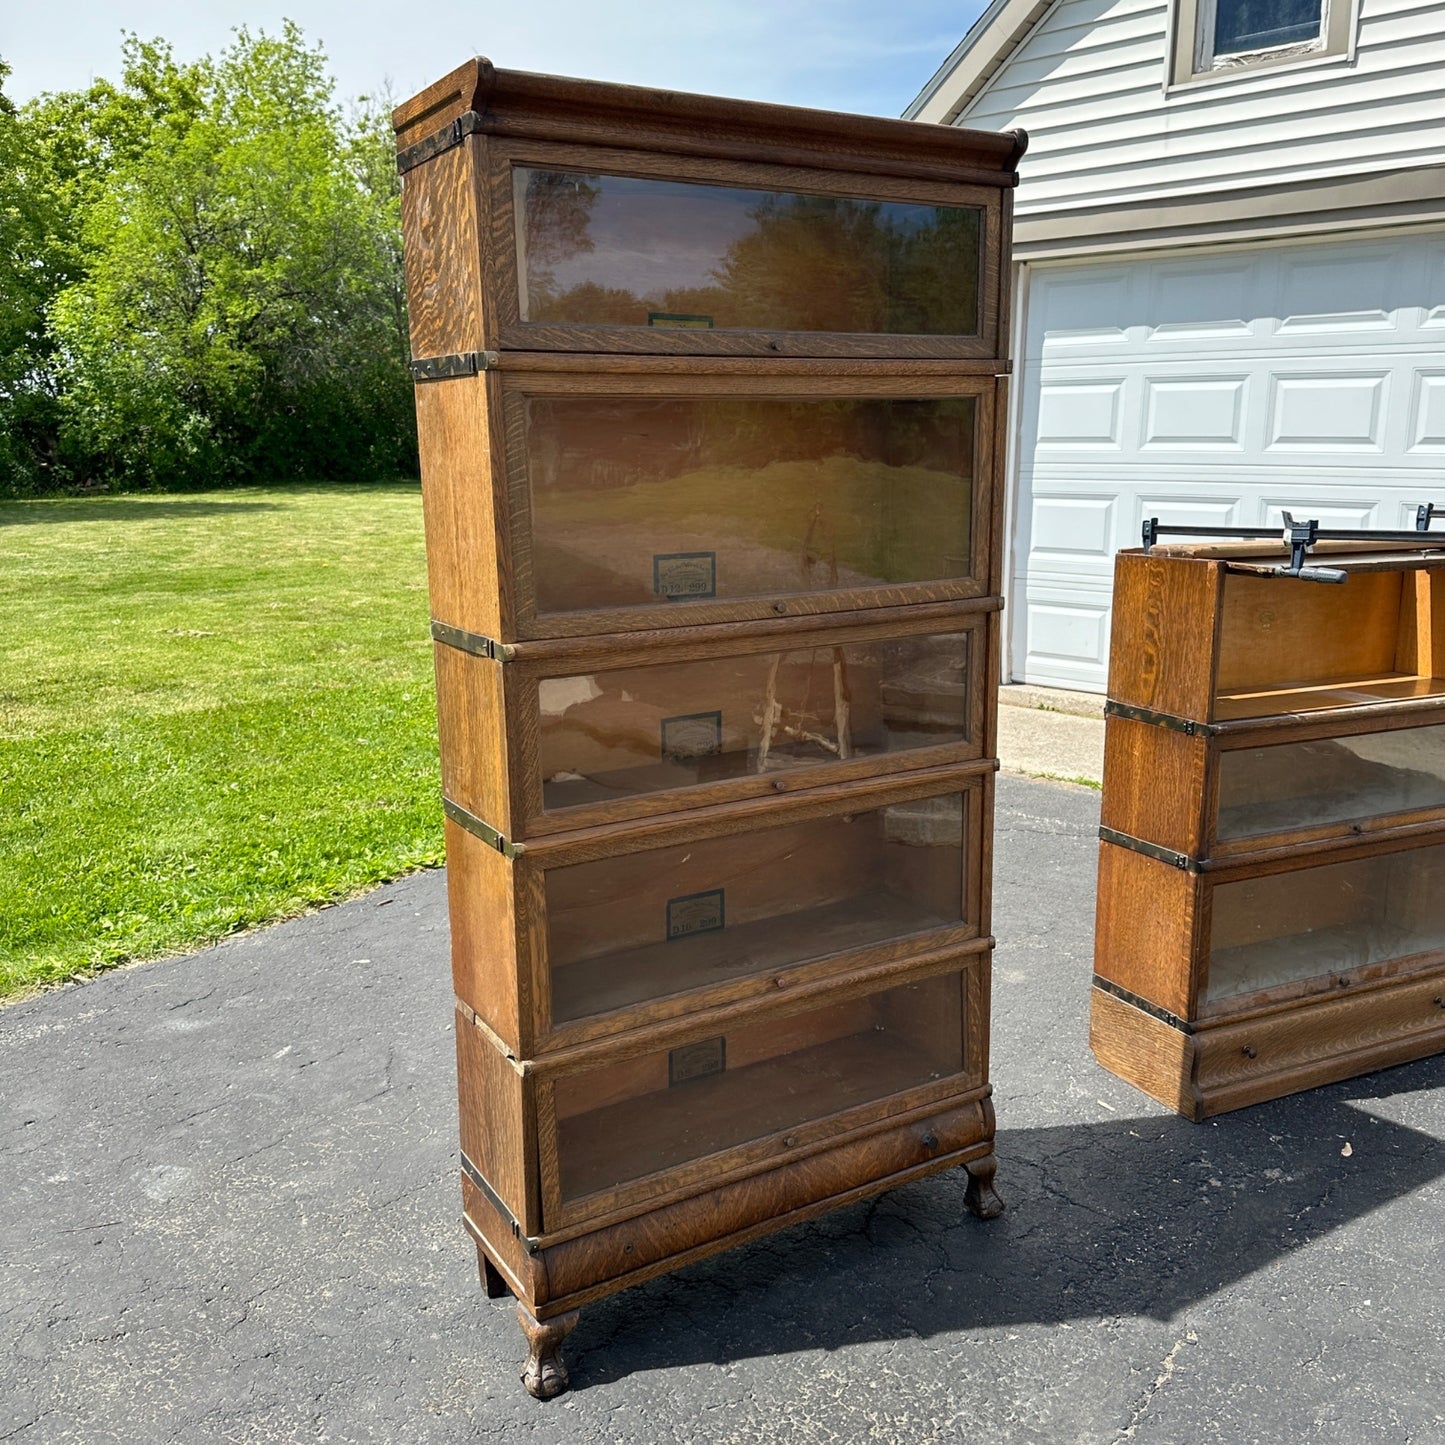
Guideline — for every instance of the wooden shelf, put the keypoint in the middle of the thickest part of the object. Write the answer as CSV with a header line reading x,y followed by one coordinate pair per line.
x,y
661,1130
636,975
1287,697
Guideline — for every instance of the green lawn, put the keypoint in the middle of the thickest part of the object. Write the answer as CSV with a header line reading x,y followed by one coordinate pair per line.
x,y
215,710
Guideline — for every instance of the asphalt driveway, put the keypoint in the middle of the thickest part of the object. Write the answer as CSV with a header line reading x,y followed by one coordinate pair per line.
x,y
229,1212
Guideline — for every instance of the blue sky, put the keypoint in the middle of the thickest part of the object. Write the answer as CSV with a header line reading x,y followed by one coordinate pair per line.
x,y
863,55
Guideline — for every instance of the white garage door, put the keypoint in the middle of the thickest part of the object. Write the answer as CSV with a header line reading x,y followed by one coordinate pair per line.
x,y
1220,387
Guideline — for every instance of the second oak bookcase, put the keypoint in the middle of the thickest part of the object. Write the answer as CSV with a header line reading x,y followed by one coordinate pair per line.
x,y
1272,871
710,398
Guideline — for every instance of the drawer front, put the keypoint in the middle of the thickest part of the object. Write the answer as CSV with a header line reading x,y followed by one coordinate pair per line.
x,y
638,936
627,742
620,1132
1319,1041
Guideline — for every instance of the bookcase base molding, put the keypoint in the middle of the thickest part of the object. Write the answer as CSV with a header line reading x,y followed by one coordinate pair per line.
x,y
1214,1068
552,1278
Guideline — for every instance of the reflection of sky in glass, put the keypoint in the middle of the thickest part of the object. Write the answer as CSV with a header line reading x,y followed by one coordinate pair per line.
x,y
651,236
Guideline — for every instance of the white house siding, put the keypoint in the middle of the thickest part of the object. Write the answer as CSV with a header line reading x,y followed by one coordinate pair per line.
x,y
1214,387
1088,85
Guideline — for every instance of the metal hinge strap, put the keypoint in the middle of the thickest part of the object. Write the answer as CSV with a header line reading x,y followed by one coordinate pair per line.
x,y
1159,719
497,1203
438,143
479,829
472,642
454,363
1150,850
1143,1004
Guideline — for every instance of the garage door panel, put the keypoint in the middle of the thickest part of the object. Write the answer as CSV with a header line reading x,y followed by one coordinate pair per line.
x,y
1190,412
1215,389
1328,412
1427,413
1194,302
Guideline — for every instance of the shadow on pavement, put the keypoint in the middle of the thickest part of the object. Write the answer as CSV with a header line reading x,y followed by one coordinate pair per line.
x,y
1135,1217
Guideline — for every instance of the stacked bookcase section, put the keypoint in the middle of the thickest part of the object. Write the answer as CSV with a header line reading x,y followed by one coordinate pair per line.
x,y
710,400
1272,872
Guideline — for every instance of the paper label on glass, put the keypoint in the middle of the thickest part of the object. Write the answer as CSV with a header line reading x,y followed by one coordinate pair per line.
x,y
684,574
697,1061
691,735
680,319
695,913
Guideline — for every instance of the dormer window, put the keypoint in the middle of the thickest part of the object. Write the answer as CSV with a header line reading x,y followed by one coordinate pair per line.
x,y
1215,38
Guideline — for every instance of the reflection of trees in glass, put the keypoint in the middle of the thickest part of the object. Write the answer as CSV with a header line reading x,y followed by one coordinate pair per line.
x,y
808,263
556,213
828,263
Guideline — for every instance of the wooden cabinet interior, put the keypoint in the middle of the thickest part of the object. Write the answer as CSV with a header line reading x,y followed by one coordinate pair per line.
x,y
1273,830
707,399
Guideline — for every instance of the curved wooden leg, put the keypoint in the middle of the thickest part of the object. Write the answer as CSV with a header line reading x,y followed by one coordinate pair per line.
x,y
981,1198
544,1374
492,1281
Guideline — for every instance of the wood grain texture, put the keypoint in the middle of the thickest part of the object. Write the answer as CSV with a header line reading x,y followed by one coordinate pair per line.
x,y
495,1122
473,723
572,1268
443,257
1145,1052
1154,785
1325,1040
524,1271
570,110
1146,927
868,1129
491,967
1275,632
463,89
1162,641
466,543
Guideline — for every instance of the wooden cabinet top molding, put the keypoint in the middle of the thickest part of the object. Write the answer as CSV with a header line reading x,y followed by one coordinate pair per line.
x,y
479,97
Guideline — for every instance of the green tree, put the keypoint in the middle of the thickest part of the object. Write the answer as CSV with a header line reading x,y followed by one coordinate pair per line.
x,y
236,315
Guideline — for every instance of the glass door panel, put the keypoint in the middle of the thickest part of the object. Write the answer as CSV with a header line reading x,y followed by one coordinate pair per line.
x,y
628,731
638,501
1293,786
641,1116
606,250
1323,921
647,925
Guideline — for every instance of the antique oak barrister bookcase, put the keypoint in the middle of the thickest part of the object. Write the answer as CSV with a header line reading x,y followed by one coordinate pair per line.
x,y
1271,910
709,398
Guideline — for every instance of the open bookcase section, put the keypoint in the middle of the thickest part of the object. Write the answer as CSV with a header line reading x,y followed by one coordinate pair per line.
x,y
622,732
625,930
644,1116
1293,647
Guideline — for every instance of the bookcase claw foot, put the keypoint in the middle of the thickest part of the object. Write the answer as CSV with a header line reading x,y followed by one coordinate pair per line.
x,y
981,1198
492,1281
544,1374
